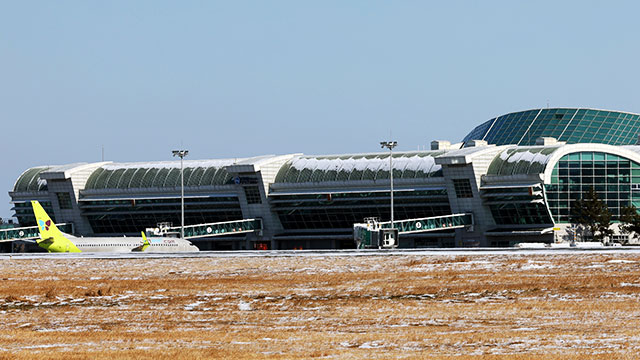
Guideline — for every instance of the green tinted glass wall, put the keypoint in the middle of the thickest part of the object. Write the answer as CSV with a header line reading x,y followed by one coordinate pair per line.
x,y
615,179
523,160
520,214
409,165
30,180
567,124
522,206
339,211
24,212
133,215
156,177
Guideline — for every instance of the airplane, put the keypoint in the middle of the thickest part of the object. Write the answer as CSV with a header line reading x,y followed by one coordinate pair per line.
x,y
55,241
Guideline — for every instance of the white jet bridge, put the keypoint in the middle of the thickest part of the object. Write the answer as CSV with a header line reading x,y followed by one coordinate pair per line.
x,y
379,235
29,232
210,229
190,231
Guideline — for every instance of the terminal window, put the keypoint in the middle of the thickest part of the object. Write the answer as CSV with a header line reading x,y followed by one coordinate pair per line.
x,y
462,188
253,194
64,200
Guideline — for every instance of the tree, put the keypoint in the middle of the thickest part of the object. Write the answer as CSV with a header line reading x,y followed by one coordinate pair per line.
x,y
629,220
593,213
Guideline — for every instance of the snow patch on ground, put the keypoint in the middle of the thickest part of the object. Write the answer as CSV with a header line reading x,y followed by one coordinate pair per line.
x,y
244,306
620,261
372,345
534,266
194,305
629,284
526,329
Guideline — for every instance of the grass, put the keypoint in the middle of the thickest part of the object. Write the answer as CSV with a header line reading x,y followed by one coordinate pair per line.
x,y
414,307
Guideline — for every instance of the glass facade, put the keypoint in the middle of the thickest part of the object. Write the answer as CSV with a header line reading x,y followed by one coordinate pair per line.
x,y
520,214
30,180
523,205
143,177
24,212
479,132
614,178
326,195
521,161
252,193
570,125
359,167
510,128
462,188
64,200
342,210
135,215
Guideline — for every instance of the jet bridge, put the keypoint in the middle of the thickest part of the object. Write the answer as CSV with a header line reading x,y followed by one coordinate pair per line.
x,y
190,231
29,233
211,229
374,234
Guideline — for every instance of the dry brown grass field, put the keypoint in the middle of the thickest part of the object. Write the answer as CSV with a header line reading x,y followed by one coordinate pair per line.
x,y
551,306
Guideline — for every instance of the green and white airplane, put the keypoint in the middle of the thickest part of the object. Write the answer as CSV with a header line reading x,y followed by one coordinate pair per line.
x,y
54,240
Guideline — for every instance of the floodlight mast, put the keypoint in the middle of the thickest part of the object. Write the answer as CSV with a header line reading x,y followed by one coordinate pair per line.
x,y
181,154
390,145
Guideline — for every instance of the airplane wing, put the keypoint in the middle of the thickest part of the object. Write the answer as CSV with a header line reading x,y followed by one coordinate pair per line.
x,y
47,241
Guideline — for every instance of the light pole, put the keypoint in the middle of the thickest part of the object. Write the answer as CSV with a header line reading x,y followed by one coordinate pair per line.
x,y
181,154
390,145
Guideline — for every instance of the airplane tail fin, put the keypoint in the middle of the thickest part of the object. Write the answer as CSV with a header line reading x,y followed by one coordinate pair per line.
x,y
46,226
145,243
51,238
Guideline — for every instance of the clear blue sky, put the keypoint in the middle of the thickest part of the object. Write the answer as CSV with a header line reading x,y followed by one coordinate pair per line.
x,y
244,78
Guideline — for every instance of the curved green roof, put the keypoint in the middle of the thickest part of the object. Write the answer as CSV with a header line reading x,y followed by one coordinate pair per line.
x,y
521,161
30,180
305,169
159,175
571,125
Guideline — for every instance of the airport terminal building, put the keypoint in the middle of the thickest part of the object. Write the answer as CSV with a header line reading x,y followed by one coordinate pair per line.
x,y
518,174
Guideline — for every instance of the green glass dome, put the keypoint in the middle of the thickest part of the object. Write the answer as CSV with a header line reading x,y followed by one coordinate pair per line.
x,y
571,125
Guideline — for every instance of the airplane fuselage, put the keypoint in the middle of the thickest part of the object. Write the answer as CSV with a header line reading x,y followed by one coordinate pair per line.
x,y
54,240
128,244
